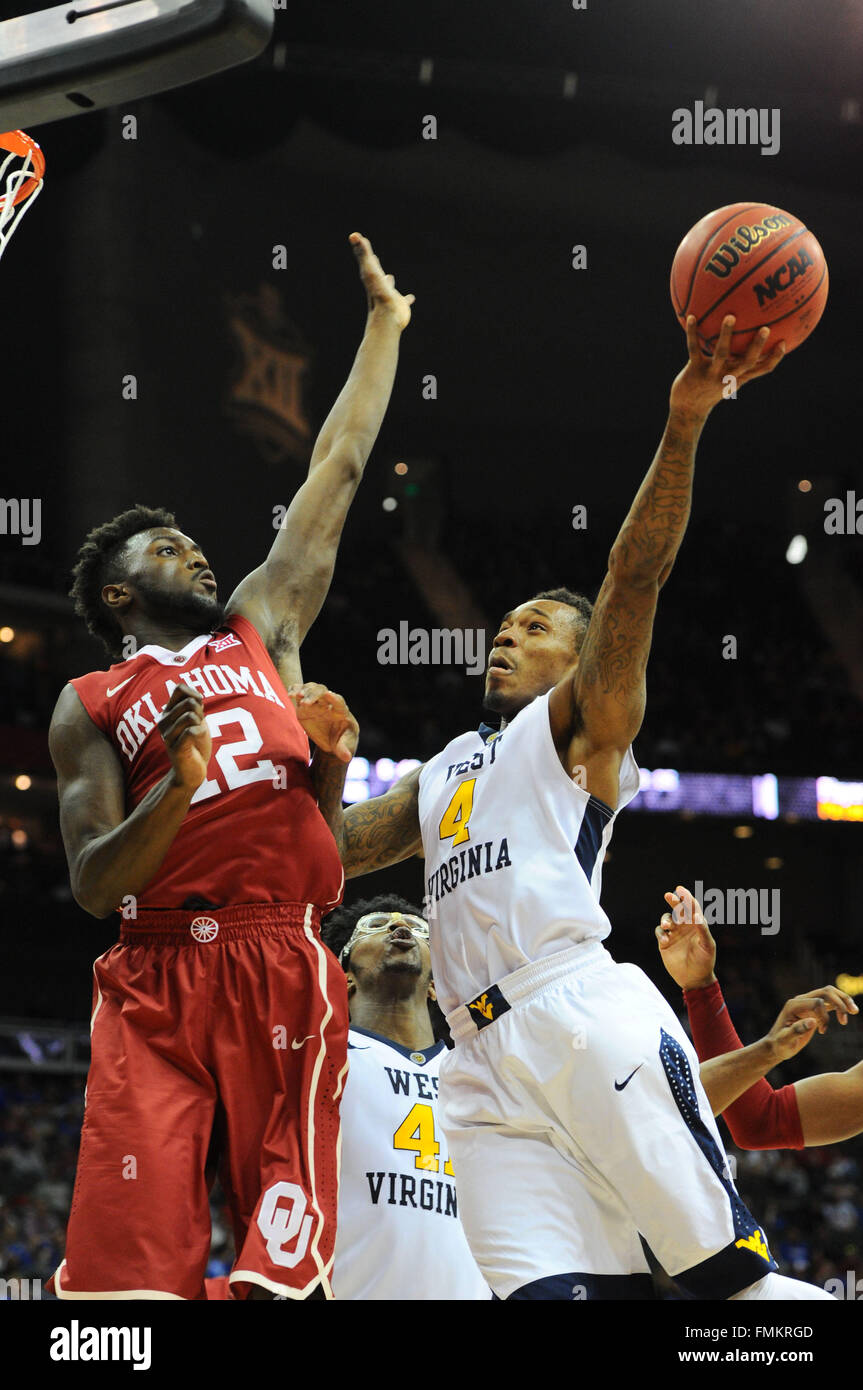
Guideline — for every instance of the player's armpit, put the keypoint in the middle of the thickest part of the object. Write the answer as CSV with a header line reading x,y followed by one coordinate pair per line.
x,y
384,830
831,1106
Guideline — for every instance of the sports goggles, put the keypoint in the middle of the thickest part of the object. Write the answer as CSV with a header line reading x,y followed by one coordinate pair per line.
x,y
382,921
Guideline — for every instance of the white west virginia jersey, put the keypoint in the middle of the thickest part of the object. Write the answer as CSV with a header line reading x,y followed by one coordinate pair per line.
x,y
513,854
399,1234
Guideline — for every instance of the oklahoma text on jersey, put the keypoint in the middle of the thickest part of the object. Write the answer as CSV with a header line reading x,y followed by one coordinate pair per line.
x,y
253,831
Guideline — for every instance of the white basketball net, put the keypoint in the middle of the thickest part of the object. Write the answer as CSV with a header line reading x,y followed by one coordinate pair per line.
x,y
11,179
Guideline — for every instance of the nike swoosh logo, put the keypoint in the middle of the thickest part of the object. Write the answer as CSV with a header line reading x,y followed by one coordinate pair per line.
x,y
621,1085
109,693
296,1044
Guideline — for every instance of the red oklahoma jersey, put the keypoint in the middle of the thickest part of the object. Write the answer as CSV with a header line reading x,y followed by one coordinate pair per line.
x,y
253,832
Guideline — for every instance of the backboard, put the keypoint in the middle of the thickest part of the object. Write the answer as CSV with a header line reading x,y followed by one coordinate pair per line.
x,y
87,54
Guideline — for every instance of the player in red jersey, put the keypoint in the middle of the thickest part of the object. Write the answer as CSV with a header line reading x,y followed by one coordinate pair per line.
x,y
187,802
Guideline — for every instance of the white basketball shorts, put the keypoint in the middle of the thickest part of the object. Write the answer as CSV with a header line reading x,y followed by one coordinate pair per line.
x,y
577,1123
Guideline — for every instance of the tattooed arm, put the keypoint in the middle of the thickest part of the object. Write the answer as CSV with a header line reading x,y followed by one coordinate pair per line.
x,y
328,779
597,708
370,834
382,831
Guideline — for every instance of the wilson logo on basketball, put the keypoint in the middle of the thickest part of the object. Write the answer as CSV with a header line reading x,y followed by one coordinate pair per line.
x,y
204,928
726,256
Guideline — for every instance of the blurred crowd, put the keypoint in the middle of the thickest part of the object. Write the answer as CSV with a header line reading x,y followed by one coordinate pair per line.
x,y
40,1128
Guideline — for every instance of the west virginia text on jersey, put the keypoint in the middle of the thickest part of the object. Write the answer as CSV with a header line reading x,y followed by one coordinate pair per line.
x,y
399,1234
514,852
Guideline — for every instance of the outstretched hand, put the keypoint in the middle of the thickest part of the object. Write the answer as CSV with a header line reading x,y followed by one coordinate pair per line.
x,y
686,946
326,719
702,383
381,289
804,1016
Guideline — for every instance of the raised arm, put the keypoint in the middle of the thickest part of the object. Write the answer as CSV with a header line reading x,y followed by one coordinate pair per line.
x,y
602,703
283,596
820,1110
111,855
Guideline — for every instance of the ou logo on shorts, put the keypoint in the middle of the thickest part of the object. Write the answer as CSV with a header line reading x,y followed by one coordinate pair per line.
x,y
280,1225
204,928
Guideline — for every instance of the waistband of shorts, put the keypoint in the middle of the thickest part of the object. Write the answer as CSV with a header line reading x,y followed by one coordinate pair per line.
x,y
522,985
211,924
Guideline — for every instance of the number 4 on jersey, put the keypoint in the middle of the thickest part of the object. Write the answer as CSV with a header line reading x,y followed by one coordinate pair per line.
x,y
454,822
417,1132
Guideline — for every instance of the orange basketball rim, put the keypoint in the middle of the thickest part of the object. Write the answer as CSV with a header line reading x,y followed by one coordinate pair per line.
x,y
21,173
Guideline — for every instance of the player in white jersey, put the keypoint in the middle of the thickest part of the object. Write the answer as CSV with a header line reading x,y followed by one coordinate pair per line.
x,y
399,1235
575,1116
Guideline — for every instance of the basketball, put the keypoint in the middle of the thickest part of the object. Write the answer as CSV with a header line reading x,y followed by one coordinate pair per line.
x,y
754,261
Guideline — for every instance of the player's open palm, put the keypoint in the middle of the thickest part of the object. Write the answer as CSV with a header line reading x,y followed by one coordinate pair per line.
x,y
686,946
186,735
804,1016
380,288
326,719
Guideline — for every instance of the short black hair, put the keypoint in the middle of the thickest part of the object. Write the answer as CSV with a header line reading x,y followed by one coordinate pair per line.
x,y
99,563
338,928
582,605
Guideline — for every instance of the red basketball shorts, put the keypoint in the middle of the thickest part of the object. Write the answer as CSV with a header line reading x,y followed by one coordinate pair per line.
x,y
219,1033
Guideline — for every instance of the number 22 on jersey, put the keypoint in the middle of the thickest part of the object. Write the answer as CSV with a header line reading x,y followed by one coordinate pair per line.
x,y
226,754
